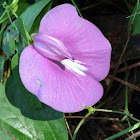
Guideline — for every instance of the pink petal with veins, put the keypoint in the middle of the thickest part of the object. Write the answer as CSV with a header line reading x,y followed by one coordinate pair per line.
x,y
84,40
56,86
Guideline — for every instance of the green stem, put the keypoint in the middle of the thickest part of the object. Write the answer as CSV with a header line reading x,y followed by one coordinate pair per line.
x,y
126,93
27,34
9,17
14,13
137,120
110,111
14,3
77,8
29,39
9,71
1,21
3,15
3,26
131,128
91,110
136,10
119,112
79,125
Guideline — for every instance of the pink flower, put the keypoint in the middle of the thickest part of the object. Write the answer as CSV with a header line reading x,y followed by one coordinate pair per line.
x,y
69,57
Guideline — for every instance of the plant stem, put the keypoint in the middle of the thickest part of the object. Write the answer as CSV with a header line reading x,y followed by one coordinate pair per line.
x,y
135,119
136,10
119,112
91,110
9,71
9,15
14,13
109,111
126,93
131,128
79,125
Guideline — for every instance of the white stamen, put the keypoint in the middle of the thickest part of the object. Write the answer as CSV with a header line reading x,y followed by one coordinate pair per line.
x,y
77,61
74,66
80,67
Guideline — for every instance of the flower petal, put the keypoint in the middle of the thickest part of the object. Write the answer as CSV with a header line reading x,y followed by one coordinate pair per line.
x,y
50,47
84,40
97,63
56,86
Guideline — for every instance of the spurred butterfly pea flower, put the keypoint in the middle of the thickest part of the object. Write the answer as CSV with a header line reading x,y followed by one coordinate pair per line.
x,y
69,57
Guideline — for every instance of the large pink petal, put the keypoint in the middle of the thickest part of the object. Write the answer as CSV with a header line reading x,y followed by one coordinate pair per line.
x,y
82,38
56,86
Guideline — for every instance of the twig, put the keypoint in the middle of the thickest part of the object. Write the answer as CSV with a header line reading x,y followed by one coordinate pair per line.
x,y
95,118
128,67
124,82
67,126
126,44
137,134
120,59
137,125
122,96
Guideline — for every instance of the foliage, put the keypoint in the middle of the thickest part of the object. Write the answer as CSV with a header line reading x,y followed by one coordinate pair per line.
x,y
135,17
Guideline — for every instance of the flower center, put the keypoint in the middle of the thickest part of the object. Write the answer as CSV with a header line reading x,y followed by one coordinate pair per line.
x,y
56,50
74,66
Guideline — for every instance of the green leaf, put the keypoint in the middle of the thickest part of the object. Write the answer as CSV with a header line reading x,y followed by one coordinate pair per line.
x,y
22,5
3,26
32,12
2,60
29,97
12,45
21,44
13,33
8,35
23,35
21,28
26,124
4,135
35,27
136,20
28,17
